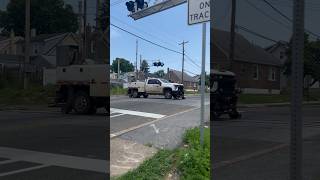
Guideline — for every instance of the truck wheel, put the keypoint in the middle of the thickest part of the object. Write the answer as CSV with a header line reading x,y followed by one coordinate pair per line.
x,y
82,103
145,95
234,115
135,93
65,109
168,94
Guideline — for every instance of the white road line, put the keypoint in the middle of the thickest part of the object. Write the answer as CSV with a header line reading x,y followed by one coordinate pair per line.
x,y
51,159
116,115
23,170
8,161
137,113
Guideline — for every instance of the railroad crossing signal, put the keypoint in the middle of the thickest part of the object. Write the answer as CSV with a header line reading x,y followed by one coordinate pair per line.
x,y
157,64
135,6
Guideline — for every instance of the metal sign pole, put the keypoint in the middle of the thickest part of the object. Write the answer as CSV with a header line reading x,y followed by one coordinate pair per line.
x,y
297,91
203,73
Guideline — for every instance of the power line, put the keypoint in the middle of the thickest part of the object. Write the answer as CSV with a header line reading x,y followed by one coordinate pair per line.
x,y
255,33
191,60
151,42
287,18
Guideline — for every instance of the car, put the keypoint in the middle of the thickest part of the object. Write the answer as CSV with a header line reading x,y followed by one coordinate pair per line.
x,y
156,86
224,94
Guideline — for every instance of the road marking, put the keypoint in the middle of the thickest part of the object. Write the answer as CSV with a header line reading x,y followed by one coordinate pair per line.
x,y
51,159
155,128
119,133
137,113
116,115
23,170
7,161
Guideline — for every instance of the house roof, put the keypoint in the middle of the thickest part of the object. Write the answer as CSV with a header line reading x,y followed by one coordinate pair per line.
x,y
186,77
244,50
273,47
45,37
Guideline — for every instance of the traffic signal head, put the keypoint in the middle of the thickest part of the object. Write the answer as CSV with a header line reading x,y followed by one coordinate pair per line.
x,y
130,6
140,4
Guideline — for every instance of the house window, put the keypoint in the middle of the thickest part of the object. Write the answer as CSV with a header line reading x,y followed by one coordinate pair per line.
x,y
272,74
255,72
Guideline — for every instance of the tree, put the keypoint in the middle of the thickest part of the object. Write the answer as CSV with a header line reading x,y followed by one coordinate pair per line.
x,y
311,58
103,18
47,16
144,67
160,73
125,65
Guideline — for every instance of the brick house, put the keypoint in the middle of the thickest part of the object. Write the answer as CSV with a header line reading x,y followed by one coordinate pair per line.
x,y
176,76
257,71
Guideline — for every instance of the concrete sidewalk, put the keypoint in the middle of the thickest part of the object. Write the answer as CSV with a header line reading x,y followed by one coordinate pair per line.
x,y
275,104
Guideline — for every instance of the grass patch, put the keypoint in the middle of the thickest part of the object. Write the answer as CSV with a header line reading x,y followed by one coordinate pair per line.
x,y
191,161
35,94
154,168
194,159
118,91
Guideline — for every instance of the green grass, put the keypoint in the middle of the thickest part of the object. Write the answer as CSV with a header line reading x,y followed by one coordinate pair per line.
x,y
154,168
191,161
35,94
118,91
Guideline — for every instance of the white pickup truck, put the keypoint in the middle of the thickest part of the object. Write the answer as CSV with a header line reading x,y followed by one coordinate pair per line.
x,y
156,86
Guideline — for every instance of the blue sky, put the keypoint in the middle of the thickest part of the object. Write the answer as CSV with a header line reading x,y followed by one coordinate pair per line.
x,y
168,28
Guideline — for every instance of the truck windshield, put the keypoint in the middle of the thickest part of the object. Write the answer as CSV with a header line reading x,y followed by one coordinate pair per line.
x,y
164,80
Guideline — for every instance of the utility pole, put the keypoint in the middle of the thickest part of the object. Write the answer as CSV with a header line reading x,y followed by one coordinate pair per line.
x,y
137,59
27,45
84,52
118,69
297,91
97,14
183,53
80,28
232,33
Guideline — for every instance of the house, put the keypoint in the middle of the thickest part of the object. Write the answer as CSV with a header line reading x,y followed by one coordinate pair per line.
x,y
176,76
279,50
257,71
8,44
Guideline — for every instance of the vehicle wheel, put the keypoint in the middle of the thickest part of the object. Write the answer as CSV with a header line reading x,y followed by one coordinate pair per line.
x,y
130,94
168,94
82,103
65,109
145,95
135,93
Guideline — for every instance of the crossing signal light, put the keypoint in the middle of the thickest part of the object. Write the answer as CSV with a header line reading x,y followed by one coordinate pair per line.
x,y
141,4
130,6
157,64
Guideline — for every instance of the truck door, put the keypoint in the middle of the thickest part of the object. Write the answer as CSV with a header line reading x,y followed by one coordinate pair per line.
x,y
157,86
150,86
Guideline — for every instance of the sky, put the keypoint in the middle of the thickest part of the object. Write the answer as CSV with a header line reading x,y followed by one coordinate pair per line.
x,y
168,28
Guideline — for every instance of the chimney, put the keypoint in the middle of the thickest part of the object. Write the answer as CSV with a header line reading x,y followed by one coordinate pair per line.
x,y
33,33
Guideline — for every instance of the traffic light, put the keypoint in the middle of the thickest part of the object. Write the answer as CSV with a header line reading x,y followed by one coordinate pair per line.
x,y
141,4
157,64
130,6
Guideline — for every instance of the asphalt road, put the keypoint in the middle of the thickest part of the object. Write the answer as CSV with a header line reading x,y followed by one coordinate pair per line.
x,y
257,146
45,144
128,114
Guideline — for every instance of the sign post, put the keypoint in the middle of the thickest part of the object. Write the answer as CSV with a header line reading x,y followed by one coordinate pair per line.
x,y
199,12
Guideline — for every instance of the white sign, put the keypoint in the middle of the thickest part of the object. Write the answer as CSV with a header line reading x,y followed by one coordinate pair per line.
x,y
198,11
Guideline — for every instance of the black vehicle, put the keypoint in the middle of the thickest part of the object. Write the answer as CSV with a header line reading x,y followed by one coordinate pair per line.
x,y
223,94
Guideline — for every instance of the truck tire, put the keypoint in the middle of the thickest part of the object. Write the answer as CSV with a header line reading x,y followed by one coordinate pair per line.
x,y
145,95
82,103
168,94
135,93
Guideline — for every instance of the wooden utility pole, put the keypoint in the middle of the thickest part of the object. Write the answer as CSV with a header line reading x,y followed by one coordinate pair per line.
x,y
118,68
80,28
136,59
84,52
98,27
27,45
183,53
232,33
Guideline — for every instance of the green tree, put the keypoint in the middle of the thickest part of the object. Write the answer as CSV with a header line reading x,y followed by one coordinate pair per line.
x,y
311,59
104,17
125,65
160,73
47,16
144,67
